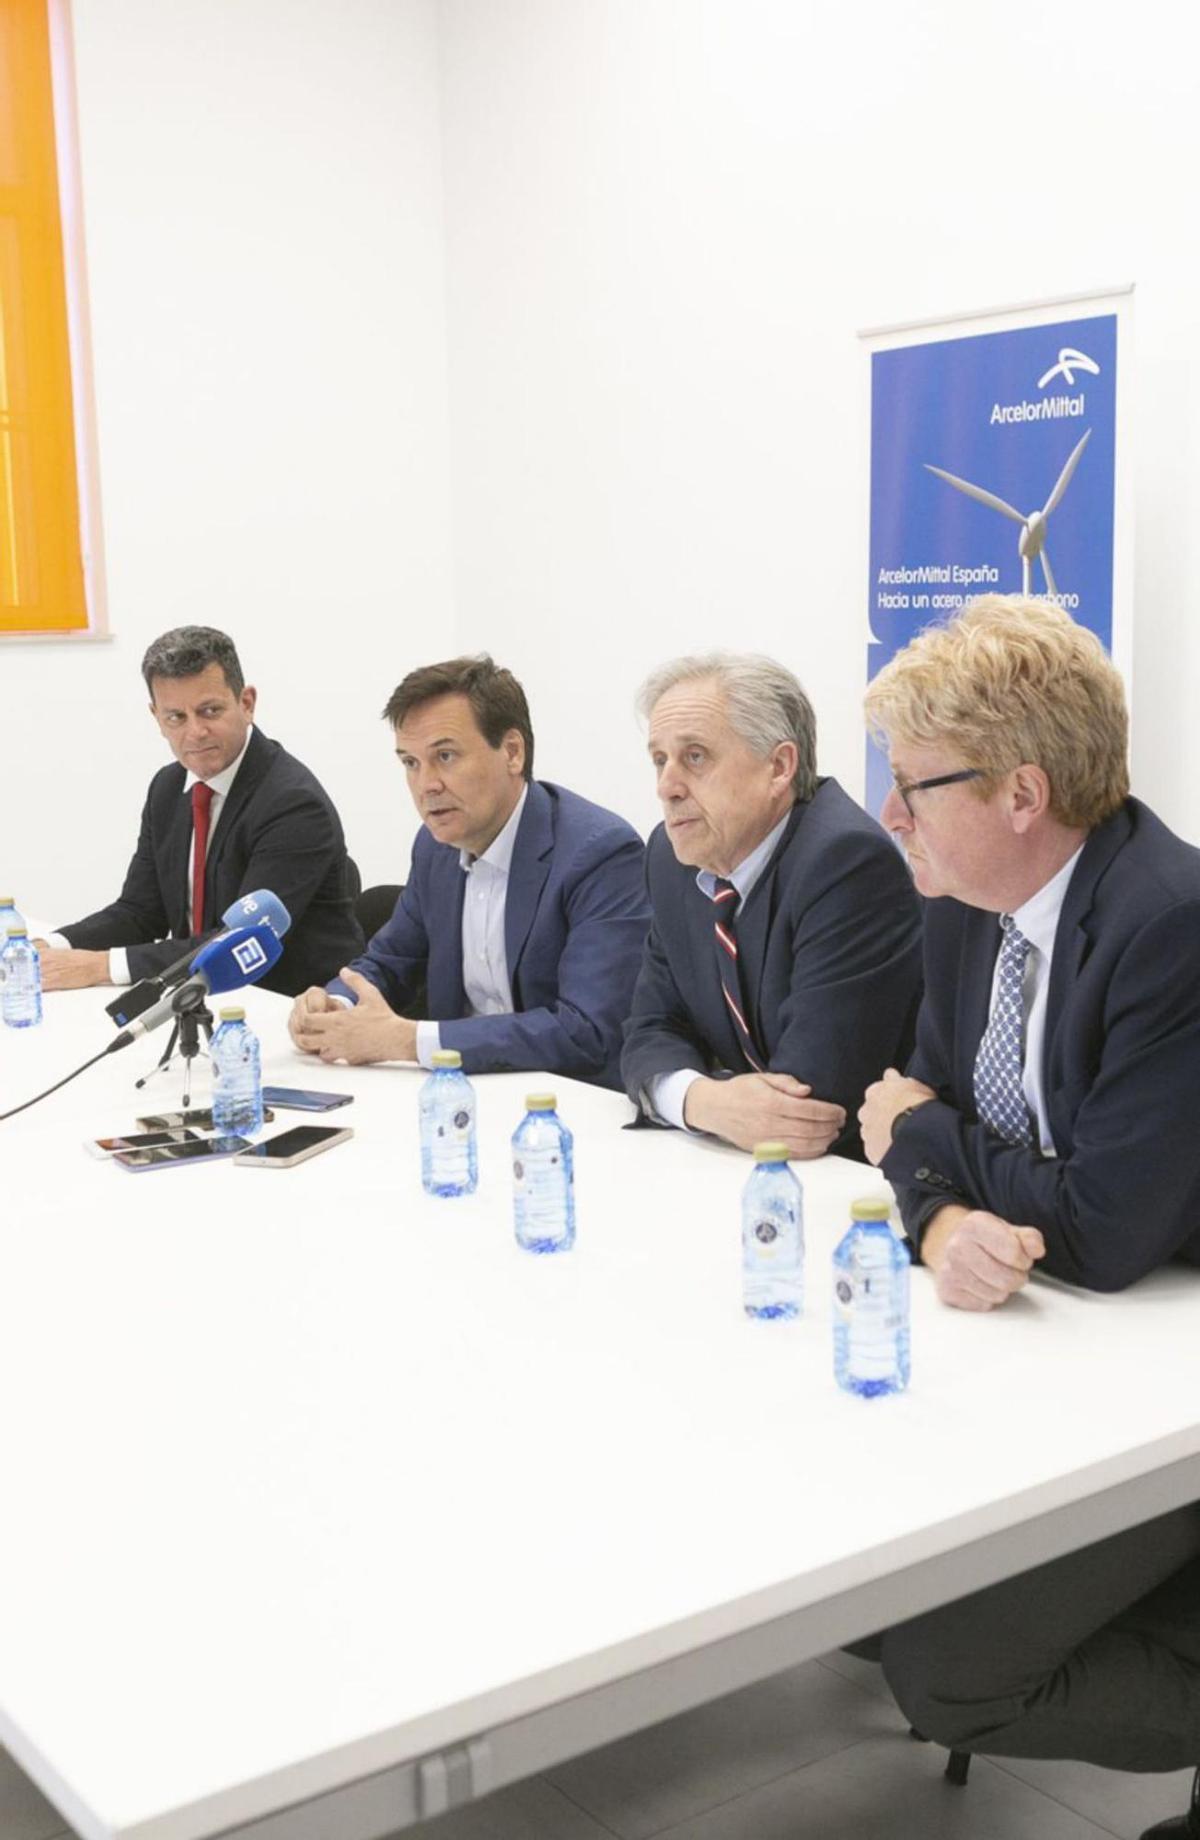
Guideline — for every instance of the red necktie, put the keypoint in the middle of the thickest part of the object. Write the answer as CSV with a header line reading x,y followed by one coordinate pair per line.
x,y
727,900
202,798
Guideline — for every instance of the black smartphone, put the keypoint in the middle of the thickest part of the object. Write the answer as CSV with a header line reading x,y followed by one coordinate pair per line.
x,y
139,1140
201,1120
295,1099
292,1147
173,1156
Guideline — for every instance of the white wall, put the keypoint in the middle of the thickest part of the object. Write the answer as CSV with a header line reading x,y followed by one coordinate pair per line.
x,y
665,221
263,212
645,232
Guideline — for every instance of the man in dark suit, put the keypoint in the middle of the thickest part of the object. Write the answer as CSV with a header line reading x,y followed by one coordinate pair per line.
x,y
521,924
1047,1120
234,814
784,956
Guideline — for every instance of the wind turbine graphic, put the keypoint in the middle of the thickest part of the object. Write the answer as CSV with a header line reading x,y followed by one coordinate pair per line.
x,y
1032,541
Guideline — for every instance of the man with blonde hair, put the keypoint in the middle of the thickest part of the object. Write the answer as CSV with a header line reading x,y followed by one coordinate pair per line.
x,y
1046,1120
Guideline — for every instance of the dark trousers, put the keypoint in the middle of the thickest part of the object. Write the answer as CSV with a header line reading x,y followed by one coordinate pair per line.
x,y
1095,1656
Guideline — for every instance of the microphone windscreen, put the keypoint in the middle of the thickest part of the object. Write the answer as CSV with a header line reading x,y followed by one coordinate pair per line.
x,y
262,908
241,957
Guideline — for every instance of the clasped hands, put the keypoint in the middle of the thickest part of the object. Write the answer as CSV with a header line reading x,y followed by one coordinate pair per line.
x,y
978,1260
370,1031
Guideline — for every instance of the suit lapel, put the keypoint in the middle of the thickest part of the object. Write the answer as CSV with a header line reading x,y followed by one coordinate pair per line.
x,y
527,876
249,775
754,931
976,967
177,850
447,888
1073,939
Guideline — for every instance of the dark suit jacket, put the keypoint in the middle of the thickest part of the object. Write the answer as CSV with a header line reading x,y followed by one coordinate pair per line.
x,y
1121,1066
829,952
278,829
574,921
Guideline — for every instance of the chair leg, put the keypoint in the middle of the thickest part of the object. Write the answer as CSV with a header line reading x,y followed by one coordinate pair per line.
x,y
957,1765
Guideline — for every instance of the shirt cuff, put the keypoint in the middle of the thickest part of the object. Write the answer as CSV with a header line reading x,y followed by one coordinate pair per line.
x,y
335,996
59,941
429,1042
118,966
666,1092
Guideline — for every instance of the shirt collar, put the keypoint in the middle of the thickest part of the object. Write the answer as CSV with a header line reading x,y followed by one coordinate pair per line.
x,y
1037,918
498,855
749,870
220,782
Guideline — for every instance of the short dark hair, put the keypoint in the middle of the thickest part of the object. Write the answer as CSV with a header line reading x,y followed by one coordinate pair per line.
x,y
185,651
496,698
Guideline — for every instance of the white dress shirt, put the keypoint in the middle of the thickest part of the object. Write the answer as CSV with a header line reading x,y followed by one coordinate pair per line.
x,y
118,958
666,1092
484,960
1037,920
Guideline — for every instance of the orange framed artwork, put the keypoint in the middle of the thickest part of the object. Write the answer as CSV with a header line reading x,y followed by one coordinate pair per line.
x,y
50,578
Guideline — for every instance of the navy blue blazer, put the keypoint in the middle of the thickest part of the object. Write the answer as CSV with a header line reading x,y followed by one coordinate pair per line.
x,y
278,829
575,918
829,948
1120,1070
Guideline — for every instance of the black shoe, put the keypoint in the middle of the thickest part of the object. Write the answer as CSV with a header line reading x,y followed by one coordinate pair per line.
x,y
1180,1826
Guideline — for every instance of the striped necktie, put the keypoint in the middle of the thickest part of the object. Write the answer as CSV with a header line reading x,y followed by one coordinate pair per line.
x,y
726,901
999,1094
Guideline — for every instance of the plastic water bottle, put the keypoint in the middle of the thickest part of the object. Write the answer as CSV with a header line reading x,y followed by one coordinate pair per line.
x,y
870,1305
9,916
237,1077
543,1178
20,980
449,1154
772,1238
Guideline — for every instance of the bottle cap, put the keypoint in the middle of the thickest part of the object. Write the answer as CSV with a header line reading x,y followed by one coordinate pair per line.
x,y
17,932
6,900
446,1057
871,1207
234,1013
540,1102
771,1152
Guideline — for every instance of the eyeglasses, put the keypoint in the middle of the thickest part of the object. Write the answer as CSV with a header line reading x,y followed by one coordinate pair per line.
x,y
939,779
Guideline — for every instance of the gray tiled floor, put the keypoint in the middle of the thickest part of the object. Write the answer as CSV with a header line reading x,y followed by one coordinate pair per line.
x,y
818,1753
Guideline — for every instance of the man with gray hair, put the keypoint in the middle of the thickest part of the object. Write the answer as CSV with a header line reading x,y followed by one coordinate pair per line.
x,y
233,814
784,954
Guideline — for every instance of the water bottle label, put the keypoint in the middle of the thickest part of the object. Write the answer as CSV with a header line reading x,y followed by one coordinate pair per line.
x,y
462,1120
766,1233
844,1298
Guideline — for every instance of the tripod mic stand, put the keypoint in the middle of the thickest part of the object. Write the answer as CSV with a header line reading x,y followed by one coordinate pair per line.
x,y
191,1016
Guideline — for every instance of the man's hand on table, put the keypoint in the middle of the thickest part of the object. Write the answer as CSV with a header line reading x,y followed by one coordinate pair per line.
x,y
371,1031
978,1260
882,1104
63,968
756,1108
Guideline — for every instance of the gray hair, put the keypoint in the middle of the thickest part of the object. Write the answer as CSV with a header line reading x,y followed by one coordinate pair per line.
x,y
185,651
766,705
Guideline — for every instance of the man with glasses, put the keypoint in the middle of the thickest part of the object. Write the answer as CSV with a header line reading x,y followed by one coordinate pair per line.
x,y
1048,1119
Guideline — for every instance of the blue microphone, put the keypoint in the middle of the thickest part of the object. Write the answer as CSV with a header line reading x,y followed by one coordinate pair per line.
x,y
227,963
261,908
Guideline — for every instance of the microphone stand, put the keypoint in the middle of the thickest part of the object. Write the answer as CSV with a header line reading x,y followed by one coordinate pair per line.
x,y
192,1015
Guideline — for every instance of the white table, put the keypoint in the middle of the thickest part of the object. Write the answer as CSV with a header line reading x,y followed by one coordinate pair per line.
x,y
327,1508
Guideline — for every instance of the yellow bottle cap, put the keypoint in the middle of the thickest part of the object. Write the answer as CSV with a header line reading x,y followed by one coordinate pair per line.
x,y
771,1153
540,1102
446,1057
235,1013
16,932
872,1207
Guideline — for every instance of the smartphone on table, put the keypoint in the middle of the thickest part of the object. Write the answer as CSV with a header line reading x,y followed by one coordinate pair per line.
x,y
174,1156
139,1140
292,1147
201,1120
295,1099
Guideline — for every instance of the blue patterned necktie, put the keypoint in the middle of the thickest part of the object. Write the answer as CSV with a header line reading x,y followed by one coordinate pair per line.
x,y
999,1095
726,900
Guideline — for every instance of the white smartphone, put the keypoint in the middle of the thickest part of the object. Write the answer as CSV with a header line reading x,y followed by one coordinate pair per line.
x,y
175,1156
294,1146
